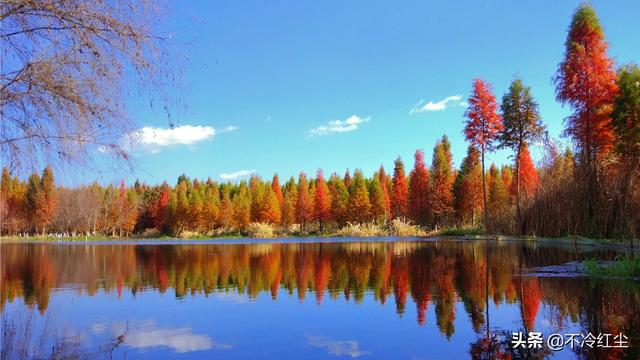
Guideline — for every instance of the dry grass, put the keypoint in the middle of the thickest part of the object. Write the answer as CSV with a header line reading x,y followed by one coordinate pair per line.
x,y
404,227
186,234
260,230
361,230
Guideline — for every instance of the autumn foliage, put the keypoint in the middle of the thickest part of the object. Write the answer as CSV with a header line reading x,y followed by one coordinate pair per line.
x,y
595,192
418,207
586,80
483,128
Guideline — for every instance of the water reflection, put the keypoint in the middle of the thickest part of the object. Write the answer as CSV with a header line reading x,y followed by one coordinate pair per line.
x,y
475,275
349,348
148,334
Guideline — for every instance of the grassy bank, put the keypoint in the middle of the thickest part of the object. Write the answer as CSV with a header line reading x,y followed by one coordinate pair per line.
x,y
623,265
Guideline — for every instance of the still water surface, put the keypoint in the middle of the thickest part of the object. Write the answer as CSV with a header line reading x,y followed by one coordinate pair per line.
x,y
352,298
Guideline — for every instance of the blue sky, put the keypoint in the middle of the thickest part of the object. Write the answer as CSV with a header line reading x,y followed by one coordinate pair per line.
x,y
265,74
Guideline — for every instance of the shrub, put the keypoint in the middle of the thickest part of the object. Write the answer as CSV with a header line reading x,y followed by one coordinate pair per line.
x,y
293,229
151,233
260,230
361,230
186,234
404,227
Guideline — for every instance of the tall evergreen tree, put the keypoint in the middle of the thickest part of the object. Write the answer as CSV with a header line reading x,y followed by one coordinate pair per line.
x,y
289,201
386,191
522,124
468,187
322,200
339,199
275,185
441,194
242,207
418,204
33,201
304,209
270,210
377,200
482,129
399,190
359,204
586,80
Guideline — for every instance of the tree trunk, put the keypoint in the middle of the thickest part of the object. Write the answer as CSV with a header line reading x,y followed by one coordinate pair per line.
x,y
484,197
518,211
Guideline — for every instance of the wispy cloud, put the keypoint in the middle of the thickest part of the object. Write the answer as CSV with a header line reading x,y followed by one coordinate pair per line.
x,y
227,129
154,139
338,347
421,106
236,175
339,126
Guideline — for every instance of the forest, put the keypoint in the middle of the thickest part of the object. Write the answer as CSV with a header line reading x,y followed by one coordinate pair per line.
x,y
591,189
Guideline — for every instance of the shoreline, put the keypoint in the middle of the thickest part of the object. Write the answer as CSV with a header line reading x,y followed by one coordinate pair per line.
x,y
326,238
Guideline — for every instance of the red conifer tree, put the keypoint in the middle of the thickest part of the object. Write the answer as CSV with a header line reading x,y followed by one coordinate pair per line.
x,y
304,211
384,181
322,202
419,190
399,190
483,128
528,175
275,185
586,80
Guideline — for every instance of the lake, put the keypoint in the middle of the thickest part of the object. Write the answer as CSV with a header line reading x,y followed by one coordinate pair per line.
x,y
308,299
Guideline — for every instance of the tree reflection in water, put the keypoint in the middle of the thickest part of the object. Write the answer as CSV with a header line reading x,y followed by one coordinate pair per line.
x,y
439,274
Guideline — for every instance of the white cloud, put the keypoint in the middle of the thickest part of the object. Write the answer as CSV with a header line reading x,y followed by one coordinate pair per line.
x,y
338,347
236,175
180,340
154,139
436,106
339,126
146,334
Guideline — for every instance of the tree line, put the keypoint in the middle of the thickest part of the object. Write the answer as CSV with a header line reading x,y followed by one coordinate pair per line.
x,y
593,191
429,196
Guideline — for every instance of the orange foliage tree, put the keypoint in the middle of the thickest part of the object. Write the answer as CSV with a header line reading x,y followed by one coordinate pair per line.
x,y
399,190
339,199
468,187
322,200
441,199
527,174
384,185
482,128
359,206
304,209
586,80
275,185
270,211
418,205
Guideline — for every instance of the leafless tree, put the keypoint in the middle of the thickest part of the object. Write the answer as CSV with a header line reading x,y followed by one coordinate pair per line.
x,y
67,69
78,210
